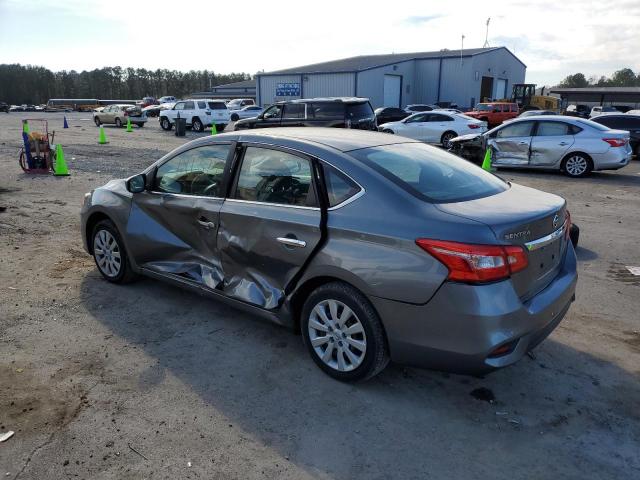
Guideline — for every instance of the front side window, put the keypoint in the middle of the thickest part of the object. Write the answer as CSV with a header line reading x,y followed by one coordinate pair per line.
x,y
273,112
294,110
430,174
422,117
179,106
189,105
274,176
520,129
553,129
198,171
202,105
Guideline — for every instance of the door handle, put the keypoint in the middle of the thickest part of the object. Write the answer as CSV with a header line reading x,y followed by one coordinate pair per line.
x,y
523,143
203,222
292,242
563,143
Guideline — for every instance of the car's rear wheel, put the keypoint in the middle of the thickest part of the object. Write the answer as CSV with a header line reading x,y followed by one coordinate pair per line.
x,y
386,130
97,121
196,125
343,333
118,123
109,253
577,165
165,124
140,125
235,117
446,138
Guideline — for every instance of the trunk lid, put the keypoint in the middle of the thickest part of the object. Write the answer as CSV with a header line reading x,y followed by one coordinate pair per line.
x,y
527,217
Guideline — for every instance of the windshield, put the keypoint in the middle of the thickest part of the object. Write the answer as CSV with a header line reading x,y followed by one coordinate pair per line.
x,y
429,173
483,107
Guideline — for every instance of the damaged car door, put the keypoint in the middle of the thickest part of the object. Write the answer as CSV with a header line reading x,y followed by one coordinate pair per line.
x,y
511,144
269,224
173,224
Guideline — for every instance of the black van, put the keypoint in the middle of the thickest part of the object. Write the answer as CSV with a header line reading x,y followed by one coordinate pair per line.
x,y
347,112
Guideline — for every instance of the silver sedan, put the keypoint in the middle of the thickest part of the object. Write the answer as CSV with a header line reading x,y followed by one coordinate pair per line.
x,y
572,145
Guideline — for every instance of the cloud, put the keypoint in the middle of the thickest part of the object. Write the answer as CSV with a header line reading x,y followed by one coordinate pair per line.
x,y
421,19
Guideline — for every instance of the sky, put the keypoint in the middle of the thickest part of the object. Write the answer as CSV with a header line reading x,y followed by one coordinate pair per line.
x,y
553,38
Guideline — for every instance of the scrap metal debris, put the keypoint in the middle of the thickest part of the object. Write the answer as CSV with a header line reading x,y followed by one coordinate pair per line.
x,y
6,436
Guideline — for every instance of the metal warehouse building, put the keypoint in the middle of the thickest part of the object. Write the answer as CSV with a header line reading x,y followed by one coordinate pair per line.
x,y
463,77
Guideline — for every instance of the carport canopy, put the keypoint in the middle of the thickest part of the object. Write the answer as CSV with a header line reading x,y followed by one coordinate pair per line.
x,y
601,95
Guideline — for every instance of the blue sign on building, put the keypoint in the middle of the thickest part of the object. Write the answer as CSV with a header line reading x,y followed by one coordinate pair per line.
x,y
288,89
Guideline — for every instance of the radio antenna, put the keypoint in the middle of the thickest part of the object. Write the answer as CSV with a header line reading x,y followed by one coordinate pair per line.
x,y
486,37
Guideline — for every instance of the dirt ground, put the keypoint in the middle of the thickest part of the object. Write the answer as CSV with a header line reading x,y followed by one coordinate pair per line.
x,y
149,381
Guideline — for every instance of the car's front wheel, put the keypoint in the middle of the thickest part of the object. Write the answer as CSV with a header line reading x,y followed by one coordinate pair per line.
x,y
577,165
165,124
97,121
109,253
235,117
343,333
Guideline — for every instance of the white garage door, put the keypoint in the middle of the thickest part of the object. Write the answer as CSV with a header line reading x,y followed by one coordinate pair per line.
x,y
392,90
501,88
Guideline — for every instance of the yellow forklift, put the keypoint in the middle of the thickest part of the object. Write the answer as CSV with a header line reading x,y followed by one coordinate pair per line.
x,y
524,94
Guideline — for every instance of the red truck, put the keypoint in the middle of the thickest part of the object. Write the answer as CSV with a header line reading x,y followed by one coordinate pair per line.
x,y
494,113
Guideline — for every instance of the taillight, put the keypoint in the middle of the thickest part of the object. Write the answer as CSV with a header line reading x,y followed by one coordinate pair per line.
x,y
567,225
476,263
473,126
615,142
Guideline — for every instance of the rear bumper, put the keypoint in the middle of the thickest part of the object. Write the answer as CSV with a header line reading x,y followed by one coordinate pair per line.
x,y
462,325
613,159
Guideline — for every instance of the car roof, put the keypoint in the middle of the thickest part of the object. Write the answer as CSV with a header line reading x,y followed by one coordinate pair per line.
x,y
342,139
325,99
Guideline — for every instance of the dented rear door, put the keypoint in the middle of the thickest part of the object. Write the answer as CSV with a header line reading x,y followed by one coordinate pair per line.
x,y
269,225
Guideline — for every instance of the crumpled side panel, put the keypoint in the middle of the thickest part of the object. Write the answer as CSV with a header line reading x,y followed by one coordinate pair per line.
x,y
203,274
253,288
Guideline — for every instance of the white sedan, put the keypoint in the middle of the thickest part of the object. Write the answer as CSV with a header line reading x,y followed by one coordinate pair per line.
x,y
249,111
436,126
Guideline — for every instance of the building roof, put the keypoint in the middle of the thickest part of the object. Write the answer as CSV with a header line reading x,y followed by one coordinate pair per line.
x,y
600,94
243,84
366,62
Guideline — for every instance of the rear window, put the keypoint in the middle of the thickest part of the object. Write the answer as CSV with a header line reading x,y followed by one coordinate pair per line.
x,y
217,105
429,173
359,110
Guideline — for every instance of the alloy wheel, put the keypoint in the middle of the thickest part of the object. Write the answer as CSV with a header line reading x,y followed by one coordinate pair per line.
x,y
446,140
337,335
107,253
576,165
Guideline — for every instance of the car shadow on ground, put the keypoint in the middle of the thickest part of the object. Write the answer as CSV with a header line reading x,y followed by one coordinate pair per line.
x,y
585,255
405,423
608,177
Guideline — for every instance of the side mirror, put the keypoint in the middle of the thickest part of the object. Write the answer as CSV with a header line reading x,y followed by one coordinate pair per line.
x,y
137,183
261,116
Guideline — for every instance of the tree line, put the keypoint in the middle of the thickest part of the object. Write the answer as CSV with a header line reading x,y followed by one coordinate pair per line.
x,y
35,85
620,78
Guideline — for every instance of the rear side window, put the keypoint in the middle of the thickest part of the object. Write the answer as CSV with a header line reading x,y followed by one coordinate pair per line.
x,y
359,110
520,129
294,110
430,174
328,110
552,129
339,187
437,117
273,176
595,125
217,106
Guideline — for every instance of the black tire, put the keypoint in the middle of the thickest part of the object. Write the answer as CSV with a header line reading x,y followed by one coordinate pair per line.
x,y
197,125
577,165
165,124
221,127
574,234
97,121
125,274
118,123
386,130
376,356
140,125
234,117
446,138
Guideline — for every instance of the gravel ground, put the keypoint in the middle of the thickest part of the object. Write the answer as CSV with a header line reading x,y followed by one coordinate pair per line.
x,y
149,381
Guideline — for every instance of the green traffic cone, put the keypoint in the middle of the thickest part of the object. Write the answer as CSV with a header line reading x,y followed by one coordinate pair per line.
x,y
129,129
60,168
486,163
103,138
214,130
25,126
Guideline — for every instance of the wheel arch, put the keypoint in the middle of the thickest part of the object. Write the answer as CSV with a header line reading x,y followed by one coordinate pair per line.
x,y
578,152
92,221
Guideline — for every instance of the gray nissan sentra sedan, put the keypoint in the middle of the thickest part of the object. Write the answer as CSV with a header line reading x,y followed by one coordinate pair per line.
x,y
373,246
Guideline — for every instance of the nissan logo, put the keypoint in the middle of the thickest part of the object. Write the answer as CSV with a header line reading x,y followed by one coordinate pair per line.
x,y
556,221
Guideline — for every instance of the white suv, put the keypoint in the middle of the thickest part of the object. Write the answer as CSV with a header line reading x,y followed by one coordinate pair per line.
x,y
198,113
